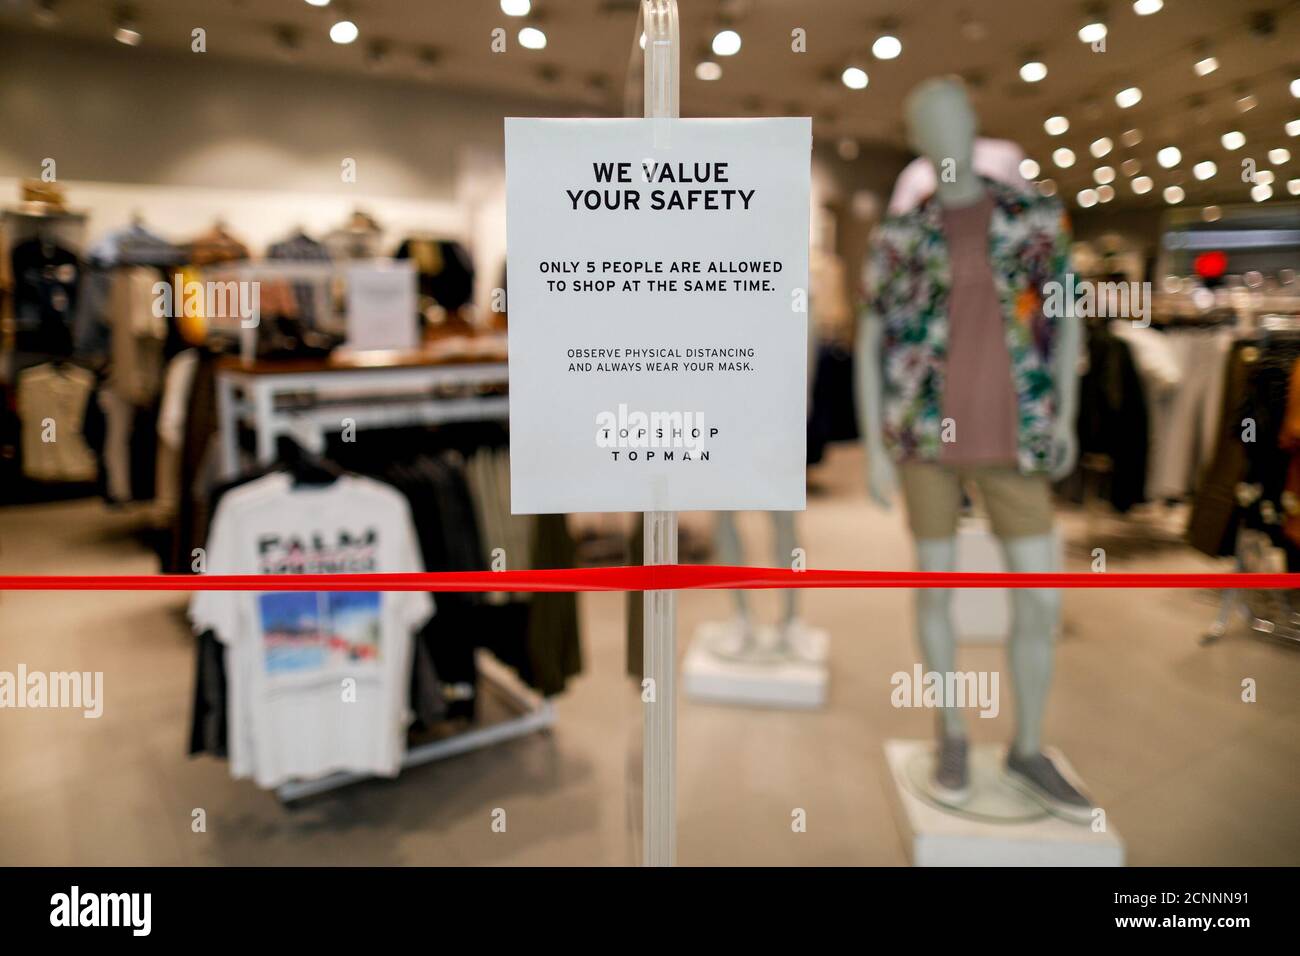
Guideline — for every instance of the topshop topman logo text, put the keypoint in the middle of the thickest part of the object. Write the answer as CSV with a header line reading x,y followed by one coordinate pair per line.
x,y
636,429
75,908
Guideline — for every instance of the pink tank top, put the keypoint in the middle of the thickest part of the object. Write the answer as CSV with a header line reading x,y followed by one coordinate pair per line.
x,y
978,395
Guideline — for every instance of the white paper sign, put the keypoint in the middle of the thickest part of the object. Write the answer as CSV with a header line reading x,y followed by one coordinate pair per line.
x,y
658,276
383,306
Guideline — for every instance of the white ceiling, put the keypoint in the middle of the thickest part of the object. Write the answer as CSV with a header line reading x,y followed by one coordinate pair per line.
x,y
448,43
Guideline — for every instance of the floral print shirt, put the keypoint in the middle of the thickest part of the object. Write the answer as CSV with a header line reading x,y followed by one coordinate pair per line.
x,y
910,278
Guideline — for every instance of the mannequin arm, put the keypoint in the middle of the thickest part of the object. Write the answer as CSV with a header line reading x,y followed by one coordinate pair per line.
x,y
1065,444
881,480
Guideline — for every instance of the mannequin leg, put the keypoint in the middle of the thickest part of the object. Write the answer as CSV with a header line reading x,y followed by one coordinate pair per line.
x,y
934,623
783,535
726,537
1031,649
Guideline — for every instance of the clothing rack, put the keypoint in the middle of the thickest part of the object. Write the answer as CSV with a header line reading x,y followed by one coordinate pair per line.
x,y
307,399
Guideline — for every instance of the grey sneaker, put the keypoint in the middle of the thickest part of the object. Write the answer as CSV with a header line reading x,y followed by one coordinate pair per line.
x,y
951,782
1038,777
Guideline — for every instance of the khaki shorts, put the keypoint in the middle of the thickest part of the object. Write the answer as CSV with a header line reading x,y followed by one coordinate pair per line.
x,y
1020,506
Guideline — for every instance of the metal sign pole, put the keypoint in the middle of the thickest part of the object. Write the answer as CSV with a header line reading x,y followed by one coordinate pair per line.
x,y
659,753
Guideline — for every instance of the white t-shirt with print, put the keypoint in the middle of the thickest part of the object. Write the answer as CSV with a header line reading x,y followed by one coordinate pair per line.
x,y
318,682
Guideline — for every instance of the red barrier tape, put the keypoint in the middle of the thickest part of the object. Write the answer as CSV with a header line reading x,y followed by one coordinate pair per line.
x,y
669,577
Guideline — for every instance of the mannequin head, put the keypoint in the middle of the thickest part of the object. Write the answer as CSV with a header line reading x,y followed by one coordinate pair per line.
x,y
941,126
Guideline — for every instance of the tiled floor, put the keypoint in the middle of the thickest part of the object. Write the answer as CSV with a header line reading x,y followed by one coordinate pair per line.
x,y
1188,772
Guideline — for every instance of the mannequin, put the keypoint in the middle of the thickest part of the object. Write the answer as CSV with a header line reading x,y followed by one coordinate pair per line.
x,y
978,435
741,643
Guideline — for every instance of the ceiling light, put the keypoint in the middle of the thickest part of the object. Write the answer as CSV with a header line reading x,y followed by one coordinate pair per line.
x,y
1047,187
1293,127
726,43
1092,32
1144,8
1100,147
511,8
1029,169
1295,87
1142,185
1063,157
345,31
1233,139
1131,137
1293,187
1130,167
1261,192
1105,193
326,3
848,149
1279,156
1087,197
1169,157
708,71
1056,125
1264,176
1211,213
1204,169
886,47
128,35
1206,66
1128,97
1035,70
1247,103
1103,174
1174,195
531,38
854,78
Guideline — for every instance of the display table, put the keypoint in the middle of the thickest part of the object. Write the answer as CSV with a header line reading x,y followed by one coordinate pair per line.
x,y
447,381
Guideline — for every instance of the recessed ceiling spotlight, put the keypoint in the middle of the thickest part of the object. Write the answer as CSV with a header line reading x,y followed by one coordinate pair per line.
x,y
1029,169
1174,195
1125,98
886,47
1279,155
1046,187
319,3
1247,103
531,38
511,8
726,43
855,78
1211,213
1131,137
1293,187
1103,175
1233,139
1293,127
345,31
1033,71
708,71
1093,32
1105,193
1261,192
124,27
1086,197
1169,157
1264,176
1130,167
1056,125
1100,147
1063,157
1204,169
1142,185
1206,65
1295,87
1144,8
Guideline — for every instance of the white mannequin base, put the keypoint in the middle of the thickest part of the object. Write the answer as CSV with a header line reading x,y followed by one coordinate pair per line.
x,y
998,827
716,670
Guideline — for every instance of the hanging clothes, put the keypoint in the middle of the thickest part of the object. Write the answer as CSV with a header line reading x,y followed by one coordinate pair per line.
x,y
45,281
51,402
1112,420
